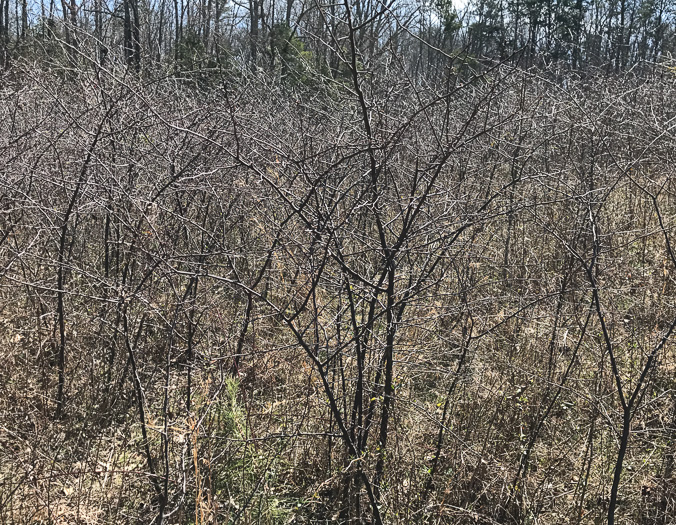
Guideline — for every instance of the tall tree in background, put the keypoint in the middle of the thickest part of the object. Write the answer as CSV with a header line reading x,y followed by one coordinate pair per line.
x,y
132,36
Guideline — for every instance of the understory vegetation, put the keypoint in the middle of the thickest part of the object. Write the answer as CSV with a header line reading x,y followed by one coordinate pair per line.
x,y
363,300
384,262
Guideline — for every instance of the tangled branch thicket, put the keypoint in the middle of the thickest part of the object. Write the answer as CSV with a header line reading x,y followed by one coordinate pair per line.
x,y
376,302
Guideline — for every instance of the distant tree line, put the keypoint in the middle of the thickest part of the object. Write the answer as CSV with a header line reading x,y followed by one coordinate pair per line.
x,y
298,38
